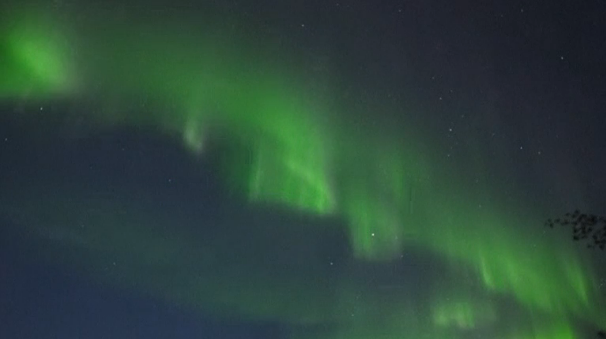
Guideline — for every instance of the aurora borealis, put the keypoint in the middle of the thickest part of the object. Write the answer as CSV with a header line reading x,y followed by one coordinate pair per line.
x,y
339,220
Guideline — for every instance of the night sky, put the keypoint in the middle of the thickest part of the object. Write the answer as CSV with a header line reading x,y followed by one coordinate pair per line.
x,y
300,169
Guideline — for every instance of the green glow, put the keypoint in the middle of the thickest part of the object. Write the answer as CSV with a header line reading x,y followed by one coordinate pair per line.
x,y
555,330
463,314
37,60
283,143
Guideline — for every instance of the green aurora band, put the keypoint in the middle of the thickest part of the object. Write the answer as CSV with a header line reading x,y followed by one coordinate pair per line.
x,y
292,144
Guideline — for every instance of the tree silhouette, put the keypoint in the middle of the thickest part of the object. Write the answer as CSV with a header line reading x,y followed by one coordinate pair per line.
x,y
588,228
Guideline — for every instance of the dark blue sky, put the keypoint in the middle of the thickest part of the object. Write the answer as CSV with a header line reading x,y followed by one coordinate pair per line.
x,y
38,301
42,300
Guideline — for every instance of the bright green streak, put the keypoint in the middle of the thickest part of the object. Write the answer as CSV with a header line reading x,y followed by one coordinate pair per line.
x,y
287,146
